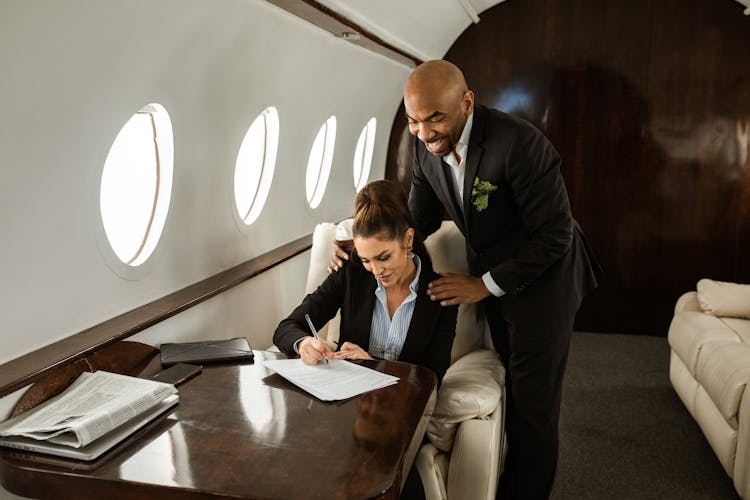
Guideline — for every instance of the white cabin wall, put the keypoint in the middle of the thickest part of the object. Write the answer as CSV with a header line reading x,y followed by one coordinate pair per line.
x,y
423,28
74,72
252,309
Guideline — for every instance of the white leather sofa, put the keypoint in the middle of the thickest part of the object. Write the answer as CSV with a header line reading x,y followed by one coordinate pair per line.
x,y
709,368
464,456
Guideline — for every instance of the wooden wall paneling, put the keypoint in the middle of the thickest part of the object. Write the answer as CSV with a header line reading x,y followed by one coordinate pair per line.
x,y
648,103
400,150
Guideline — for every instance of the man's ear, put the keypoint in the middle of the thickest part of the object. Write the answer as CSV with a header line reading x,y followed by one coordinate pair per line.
x,y
467,102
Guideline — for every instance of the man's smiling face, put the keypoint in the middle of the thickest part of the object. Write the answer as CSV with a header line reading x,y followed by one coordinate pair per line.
x,y
437,114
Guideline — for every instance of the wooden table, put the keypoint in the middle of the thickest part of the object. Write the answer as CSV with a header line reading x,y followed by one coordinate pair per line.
x,y
242,431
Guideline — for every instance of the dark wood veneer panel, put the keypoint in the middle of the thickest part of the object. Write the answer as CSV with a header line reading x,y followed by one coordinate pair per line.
x,y
28,368
648,103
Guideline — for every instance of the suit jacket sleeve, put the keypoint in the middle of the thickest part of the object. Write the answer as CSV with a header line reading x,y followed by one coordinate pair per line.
x,y
534,175
321,305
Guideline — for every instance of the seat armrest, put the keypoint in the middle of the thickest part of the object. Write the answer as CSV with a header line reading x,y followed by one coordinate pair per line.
x,y
477,458
475,465
471,388
742,457
432,466
688,302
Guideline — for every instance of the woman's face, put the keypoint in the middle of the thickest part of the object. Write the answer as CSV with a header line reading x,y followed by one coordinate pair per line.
x,y
386,259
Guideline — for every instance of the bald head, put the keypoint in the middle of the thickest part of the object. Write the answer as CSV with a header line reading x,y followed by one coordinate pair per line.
x,y
437,103
436,77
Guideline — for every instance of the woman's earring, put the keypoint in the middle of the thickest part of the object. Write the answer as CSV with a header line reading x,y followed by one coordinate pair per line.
x,y
410,253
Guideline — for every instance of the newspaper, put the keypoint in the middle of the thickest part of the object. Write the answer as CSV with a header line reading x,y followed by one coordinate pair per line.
x,y
93,405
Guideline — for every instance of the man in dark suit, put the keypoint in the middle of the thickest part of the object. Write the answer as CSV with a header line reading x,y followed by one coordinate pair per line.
x,y
499,179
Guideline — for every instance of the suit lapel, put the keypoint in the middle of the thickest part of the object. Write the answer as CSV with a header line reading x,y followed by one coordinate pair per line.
x,y
445,185
419,328
473,157
364,297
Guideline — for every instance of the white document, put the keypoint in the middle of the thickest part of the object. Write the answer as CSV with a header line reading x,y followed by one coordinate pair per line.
x,y
93,405
339,379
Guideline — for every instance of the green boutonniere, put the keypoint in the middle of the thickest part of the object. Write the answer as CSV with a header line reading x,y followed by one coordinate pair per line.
x,y
480,193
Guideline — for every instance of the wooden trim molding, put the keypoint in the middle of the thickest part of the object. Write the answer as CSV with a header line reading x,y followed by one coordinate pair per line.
x,y
321,16
28,368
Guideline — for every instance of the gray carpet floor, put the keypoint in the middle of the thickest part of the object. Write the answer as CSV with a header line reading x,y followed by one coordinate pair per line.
x,y
624,433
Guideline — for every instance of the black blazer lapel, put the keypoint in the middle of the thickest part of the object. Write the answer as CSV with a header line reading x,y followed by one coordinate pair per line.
x,y
445,189
362,304
473,157
420,328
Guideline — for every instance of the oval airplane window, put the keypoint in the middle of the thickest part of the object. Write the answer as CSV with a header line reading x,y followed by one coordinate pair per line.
x,y
363,154
319,162
256,161
137,184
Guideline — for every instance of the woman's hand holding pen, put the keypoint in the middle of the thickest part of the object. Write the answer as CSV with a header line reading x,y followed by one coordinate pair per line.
x,y
351,351
312,351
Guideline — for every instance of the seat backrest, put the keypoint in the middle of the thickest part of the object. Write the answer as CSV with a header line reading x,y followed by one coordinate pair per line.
x,y
320,256
448,252
447,248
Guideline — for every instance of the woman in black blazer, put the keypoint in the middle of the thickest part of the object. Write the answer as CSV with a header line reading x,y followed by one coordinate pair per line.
x,y
382,293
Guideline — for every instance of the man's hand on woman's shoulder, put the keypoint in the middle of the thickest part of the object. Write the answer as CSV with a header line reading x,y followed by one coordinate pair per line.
x,y
342,250
451,289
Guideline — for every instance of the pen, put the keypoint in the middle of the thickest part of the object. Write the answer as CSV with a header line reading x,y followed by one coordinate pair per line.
x,y
315,333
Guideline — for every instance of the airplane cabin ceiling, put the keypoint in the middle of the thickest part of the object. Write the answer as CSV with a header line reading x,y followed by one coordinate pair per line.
x,y
424,28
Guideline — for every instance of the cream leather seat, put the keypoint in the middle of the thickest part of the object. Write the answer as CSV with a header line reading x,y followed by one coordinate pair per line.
x,y
709,369
464,456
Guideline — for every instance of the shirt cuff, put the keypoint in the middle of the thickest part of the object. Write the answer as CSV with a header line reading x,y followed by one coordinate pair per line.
x,y
490,284
297,342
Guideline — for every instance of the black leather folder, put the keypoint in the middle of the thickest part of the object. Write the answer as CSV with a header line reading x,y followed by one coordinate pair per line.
x,y
206,351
